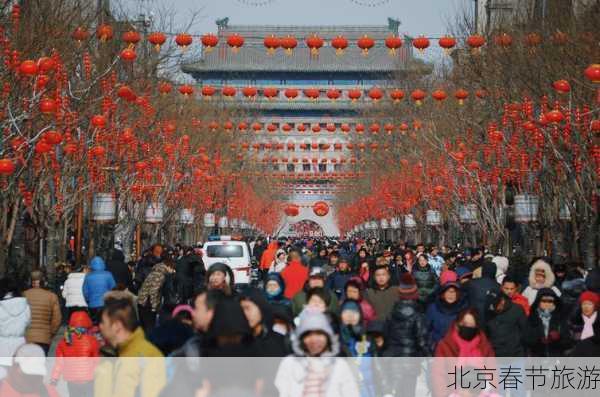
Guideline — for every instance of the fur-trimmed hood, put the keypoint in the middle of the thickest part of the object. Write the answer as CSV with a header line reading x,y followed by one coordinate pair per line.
x,y
545,266
312,320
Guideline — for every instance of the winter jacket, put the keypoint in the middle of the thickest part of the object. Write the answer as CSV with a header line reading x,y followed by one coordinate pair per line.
x,y
576,324
382,300
294,276
368,311
552,342
121,378
426,282
478,289
571,289
440,315
406,332
531,291
151,292
279,298
506,330
118,268
589,347
97,283
45,315
520,300
501,263
73,290
7,390
15,317
77,353
143,269
436,263
268,256
337,281
299,302
277,265
185,274
170,336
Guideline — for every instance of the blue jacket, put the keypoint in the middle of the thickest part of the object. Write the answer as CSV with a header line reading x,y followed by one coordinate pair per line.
x,y
337,282
96,283
440,315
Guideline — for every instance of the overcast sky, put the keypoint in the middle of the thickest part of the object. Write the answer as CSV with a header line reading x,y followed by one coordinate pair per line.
x,y
429,17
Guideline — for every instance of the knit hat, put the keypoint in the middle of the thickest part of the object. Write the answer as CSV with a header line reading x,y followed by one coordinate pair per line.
x,y
350,304
448,276
407,287
317,272
589,296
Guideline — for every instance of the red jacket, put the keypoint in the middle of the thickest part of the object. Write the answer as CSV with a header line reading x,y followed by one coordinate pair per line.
x,y
523,302
76,361
295,275
6,390
269,255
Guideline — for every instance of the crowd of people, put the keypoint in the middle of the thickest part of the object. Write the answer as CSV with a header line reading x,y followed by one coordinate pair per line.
x,y
316,298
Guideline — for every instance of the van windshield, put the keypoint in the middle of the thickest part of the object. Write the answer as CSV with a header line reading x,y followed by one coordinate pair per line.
x,y
225,251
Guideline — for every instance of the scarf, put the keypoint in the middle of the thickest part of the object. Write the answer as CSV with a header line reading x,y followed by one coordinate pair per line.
x,y
314,382
70,331
588,326
469,353
545,317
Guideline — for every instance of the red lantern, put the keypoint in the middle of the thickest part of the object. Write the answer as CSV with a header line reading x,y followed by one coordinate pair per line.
x,y
560,38
80,34
354,94
157,39
131,37
418,96
375,94
333,94
312,93
316,128
104,32
365,43
421,43
128,55
503,40
345,128
288,43
554,116
52,137
208,91
164,88
439,190
286,127
481,94
186,90
7,167
375,128
235,42
301,127
320,208
447,43
315,43
257,127
271,44
184,40
46,64
270,93
592,73
439,95
249,92
99,121
397,95
562,86
209,41
359,128
124,92
475,41
533,40
229,91
330,127
272,128
28,68
242,126
291,93
393,43
461,95
47,105
42,147
340,43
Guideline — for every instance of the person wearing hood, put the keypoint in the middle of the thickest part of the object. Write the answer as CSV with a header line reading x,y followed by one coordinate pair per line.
x,y
259,314
77,355
269,256
338,279
294,275
15,317
95,284
582,321
501,263
442,312
505,325
46,316
354,289
72,291
547,333
478,289
406,337
118,268
274,289
426,280
540,276
151,294
145,265
313,369
381,295
279,263
316,279
376,333
219,276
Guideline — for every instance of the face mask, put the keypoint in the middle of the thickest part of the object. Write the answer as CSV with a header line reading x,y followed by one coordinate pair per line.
x,y
467,333
280,329
273,294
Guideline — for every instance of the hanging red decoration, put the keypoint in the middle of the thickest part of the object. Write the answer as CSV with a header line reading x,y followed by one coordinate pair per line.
x,y
165,88
80,34
447,43
320,208
312,93
330,127
184,40
562,86
271,93
333,94
186,90
354,94
397,95
461,95
249,92
235,42
291,93
128,55
340,43
365,43
28,68
393,43
421,43
554,116
315,43
7,167
47,105
503,40
475,41
418,96
288,43
98,121
209,41
592,73
271,43
560,38
104,32
157,39
228,91
375,94
208,91
131,37
439,95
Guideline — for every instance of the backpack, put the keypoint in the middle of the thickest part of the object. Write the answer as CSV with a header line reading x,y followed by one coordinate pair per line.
x,y
170,292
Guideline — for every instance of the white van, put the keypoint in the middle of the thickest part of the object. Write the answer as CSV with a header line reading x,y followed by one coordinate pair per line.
x,y
235,254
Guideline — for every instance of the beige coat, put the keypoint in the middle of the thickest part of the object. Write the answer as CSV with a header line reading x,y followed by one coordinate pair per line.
x,y
45,315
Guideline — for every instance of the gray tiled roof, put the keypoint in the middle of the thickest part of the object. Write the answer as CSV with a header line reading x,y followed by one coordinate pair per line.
x,y
253,55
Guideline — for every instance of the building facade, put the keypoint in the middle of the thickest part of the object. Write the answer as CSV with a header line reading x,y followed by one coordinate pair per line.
x,y
312,131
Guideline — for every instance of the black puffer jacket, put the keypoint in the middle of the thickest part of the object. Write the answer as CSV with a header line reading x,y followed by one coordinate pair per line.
x,y
558,339
426,282
571,288
478,289
187,275
406,331
506,330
